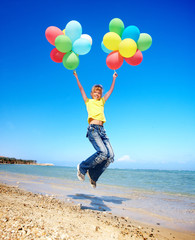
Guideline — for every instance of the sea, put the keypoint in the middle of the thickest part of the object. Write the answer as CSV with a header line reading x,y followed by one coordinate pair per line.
x,y
165,181
163,197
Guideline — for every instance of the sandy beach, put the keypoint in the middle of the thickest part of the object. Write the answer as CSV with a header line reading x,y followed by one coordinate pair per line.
x,y
26,215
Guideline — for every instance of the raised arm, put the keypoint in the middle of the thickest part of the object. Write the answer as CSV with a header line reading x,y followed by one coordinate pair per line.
x,y
80,87
107,95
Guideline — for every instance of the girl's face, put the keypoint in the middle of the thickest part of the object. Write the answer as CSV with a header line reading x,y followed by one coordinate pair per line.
x,y
97,94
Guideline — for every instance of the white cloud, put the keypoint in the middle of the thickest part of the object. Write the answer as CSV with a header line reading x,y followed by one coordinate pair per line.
x,y
125,158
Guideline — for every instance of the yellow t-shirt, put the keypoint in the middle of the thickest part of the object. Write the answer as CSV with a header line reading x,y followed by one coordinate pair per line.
x,y
95,109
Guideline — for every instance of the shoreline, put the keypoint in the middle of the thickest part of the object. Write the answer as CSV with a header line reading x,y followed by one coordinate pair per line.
x,y
32,164
173,212
27,215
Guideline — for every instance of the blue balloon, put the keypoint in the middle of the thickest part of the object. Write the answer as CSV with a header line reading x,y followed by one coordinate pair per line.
x,y
105,49
81,46
73,30
131,32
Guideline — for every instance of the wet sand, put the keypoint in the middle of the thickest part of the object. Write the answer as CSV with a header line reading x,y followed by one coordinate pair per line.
x,y
26,215
169,211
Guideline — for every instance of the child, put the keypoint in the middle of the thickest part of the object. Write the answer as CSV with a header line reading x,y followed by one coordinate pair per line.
x,y
96,164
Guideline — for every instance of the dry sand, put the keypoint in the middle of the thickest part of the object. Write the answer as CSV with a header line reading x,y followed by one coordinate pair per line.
x,y
25,215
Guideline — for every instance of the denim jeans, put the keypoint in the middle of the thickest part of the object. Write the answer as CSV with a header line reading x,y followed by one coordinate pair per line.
x,y
99,161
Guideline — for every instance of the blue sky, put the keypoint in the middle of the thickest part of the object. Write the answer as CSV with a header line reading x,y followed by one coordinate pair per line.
x,y
151,113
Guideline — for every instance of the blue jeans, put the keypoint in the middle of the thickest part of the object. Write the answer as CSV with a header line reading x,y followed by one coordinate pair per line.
x,y
99,161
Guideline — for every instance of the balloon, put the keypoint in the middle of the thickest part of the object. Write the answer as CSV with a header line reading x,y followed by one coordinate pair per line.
x,y
127,47
116,25
51,33
70,60
63,31
114,60
73,30
81,46
56,56
136,59
106,50
86,36
144,42
63,43
111,41
131,32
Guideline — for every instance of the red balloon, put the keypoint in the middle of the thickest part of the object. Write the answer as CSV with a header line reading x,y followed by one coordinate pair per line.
x,y
56,56
51,33
136,59
114,60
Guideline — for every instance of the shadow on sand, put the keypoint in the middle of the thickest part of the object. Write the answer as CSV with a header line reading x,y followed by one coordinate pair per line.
x,y
98,203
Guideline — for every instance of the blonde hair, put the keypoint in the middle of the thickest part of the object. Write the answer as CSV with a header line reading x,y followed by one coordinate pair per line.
x,y
97,87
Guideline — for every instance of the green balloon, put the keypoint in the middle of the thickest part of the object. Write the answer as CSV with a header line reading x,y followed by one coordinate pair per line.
x,y
116,25
63,44
144,42
70,60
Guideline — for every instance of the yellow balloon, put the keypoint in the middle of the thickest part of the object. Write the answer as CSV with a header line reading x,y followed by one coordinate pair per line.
x,y
127,47
63,31
111,41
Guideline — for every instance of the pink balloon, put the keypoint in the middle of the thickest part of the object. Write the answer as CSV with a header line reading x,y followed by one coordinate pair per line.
x,y
114,60
51,33
56,56
136,59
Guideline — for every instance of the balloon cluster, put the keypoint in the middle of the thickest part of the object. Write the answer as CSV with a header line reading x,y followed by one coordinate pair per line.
x,y
69,44
124,43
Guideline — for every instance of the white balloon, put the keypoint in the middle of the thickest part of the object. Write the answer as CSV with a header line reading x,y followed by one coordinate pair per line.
x,y
86,36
